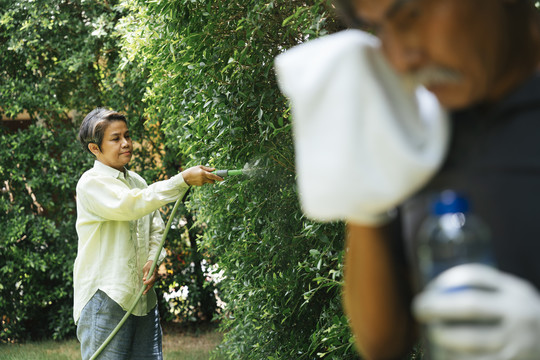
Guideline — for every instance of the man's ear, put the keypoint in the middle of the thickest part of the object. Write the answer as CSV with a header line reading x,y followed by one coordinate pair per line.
x,y
94,149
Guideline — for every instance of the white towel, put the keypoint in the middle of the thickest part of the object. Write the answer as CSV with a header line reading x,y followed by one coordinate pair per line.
x,y
363,141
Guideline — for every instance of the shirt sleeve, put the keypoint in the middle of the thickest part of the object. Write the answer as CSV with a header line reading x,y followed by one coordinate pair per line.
x,y
112,199
157,228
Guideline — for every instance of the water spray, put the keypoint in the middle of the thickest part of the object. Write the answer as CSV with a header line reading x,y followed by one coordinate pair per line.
x,y
249,170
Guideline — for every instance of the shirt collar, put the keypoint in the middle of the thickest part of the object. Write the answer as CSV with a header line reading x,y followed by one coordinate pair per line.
x,y
107,170
525,95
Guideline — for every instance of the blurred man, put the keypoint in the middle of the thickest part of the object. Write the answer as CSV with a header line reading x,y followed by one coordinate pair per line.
x,y
479,58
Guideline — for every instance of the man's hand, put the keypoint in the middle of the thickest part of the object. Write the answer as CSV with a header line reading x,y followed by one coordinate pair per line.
x,y
475,312
149,282
200,175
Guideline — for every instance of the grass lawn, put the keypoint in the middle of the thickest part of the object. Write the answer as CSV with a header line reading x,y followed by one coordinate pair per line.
x,y
178,343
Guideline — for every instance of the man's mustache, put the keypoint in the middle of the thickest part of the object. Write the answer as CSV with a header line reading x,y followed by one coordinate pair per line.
x,y
432,75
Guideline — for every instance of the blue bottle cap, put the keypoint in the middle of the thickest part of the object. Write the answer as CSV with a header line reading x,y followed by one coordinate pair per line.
x,y
449,201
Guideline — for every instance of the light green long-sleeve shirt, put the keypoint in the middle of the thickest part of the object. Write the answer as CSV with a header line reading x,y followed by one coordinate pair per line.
x,y
119,229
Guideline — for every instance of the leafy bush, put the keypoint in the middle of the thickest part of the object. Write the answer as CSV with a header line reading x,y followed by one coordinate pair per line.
x,y
56,55
213,92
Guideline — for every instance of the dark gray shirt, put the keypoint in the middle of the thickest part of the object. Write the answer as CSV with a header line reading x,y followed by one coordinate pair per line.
x,y
494,159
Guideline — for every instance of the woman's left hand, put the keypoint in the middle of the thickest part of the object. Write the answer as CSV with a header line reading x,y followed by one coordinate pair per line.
x,y
149,282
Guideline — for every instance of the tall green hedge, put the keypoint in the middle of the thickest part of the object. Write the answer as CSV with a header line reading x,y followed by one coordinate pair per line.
x,y
213,92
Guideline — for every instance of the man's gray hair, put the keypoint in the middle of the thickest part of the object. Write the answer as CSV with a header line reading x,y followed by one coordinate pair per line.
x,y
94,124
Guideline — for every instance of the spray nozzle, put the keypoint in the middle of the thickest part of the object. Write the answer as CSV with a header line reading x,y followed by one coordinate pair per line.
x,y
225,173
248,170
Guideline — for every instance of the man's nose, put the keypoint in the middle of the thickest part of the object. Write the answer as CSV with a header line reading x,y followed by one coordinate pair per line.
x,y
405,55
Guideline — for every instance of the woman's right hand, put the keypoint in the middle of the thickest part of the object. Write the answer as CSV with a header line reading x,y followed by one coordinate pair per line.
x,y
200,175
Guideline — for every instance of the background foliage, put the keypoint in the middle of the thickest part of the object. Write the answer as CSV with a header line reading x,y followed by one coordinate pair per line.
x,y
38,240
196,81
55,57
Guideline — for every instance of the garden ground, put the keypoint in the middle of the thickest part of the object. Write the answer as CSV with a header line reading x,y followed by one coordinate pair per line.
x,y
193,343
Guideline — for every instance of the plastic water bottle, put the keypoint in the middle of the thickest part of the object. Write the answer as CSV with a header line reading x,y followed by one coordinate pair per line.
x,y
450,236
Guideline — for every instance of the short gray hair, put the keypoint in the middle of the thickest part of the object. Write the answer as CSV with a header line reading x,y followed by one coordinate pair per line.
x,y
94,124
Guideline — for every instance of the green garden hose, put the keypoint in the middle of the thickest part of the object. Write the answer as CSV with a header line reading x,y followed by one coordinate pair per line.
x,y
222,173
130,310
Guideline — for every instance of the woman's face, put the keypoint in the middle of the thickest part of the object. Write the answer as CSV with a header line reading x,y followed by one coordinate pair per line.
x,y
116,147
